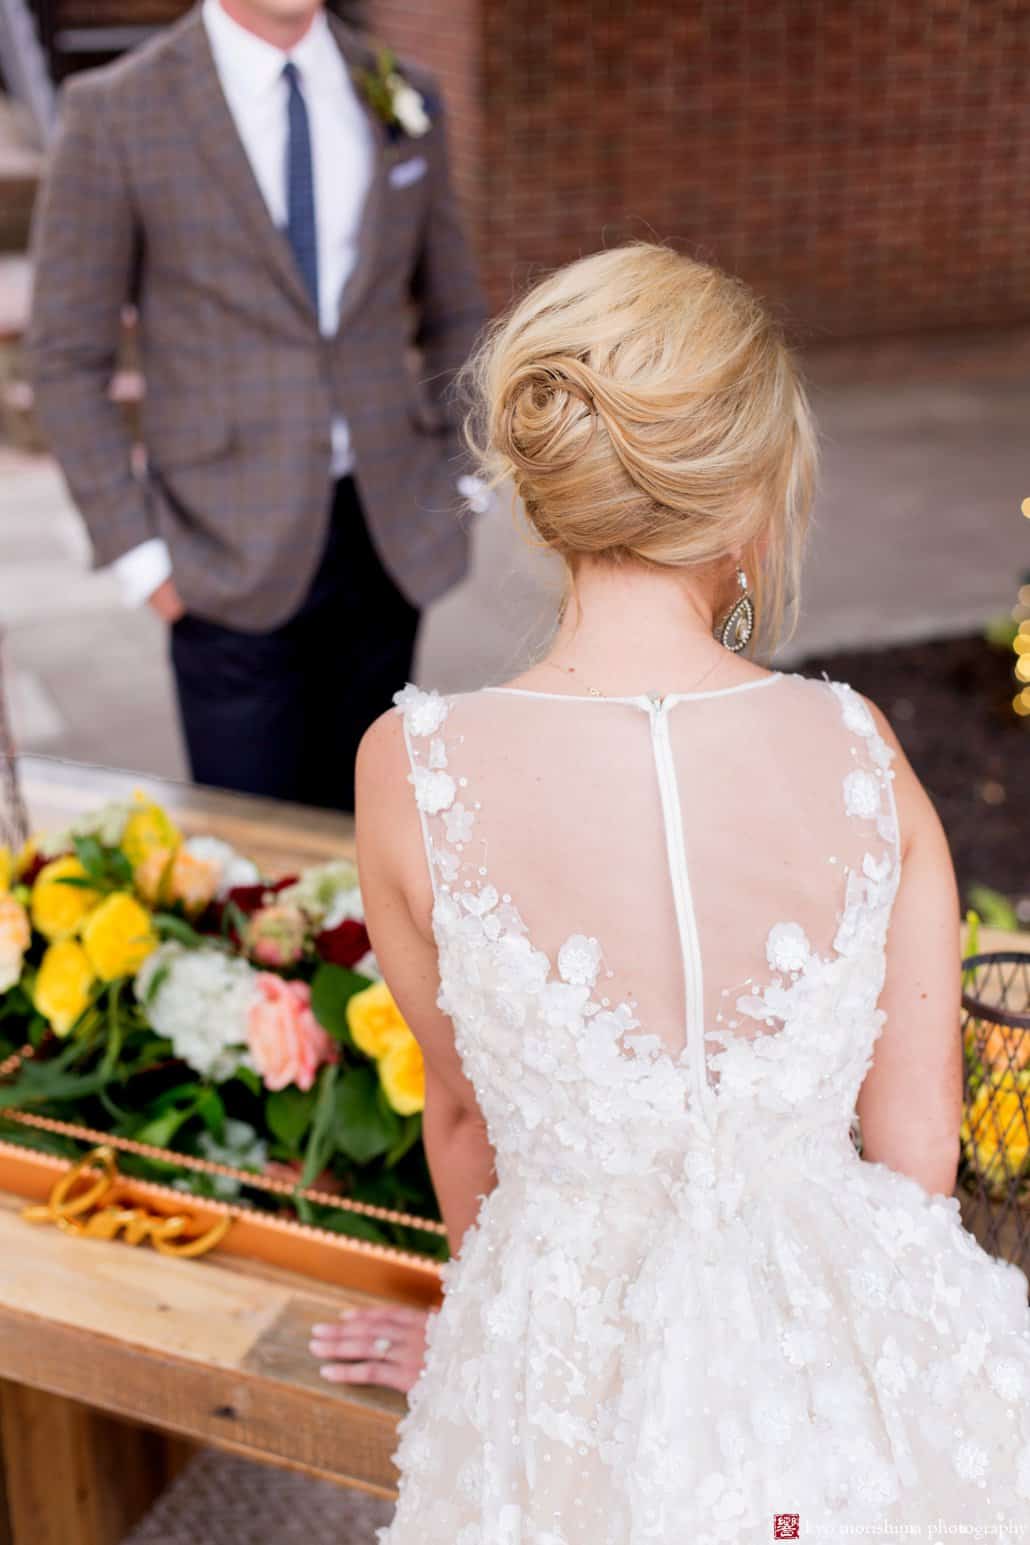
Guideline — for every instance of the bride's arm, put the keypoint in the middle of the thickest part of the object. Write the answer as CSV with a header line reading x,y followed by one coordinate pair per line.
x,y
397,895
910,1103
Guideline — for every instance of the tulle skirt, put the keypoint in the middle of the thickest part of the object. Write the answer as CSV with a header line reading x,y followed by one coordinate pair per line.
x,y
838,1358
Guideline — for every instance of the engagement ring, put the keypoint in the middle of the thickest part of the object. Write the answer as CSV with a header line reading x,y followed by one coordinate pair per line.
x,y
381,1345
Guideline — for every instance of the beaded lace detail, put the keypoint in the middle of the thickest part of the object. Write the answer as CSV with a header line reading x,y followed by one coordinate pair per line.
x,y
687,1304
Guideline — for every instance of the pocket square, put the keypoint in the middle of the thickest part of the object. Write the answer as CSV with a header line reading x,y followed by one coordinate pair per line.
x,y
406,172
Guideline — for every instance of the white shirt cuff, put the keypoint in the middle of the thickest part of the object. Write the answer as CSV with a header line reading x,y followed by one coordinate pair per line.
x,y
140,571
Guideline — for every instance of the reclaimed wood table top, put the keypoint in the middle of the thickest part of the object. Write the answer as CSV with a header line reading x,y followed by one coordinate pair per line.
x,y
212,1349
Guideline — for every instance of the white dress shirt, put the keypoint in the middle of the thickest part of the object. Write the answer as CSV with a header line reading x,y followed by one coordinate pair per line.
x,y
251,75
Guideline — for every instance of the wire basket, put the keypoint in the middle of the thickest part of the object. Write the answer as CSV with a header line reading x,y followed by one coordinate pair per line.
x,y
994,1169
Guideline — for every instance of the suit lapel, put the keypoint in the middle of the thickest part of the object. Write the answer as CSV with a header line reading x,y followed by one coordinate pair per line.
x,y
358,57
214,132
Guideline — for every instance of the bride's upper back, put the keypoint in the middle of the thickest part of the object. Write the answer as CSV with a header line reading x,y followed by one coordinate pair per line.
x,y
694,870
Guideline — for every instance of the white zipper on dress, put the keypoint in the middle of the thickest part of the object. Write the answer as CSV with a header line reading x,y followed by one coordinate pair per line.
x,y
686,920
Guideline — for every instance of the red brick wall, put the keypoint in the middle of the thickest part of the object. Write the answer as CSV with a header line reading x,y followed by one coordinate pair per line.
x,y
864,163
445,36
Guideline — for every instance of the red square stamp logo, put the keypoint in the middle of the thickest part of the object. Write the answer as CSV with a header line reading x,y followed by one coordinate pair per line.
x,y
786,1526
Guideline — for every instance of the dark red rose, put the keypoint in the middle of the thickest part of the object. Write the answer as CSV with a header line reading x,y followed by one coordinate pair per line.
x,y
345,944
251,898
30,873
248,899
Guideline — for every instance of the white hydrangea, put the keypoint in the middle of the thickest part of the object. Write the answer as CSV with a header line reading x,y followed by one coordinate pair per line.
x,y
241,1148
233,868
201,1003
107,825
326,893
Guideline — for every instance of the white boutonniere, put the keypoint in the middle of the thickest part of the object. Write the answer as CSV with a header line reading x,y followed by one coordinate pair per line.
x,y
393,99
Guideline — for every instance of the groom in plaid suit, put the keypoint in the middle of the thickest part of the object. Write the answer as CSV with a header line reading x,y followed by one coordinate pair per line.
x,y
279,210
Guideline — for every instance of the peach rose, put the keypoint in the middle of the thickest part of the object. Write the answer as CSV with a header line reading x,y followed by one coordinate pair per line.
x,y
286,1041
15,937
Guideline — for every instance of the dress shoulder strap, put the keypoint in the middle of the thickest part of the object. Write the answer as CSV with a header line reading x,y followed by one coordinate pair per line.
x,y
867,793
868,788
446,813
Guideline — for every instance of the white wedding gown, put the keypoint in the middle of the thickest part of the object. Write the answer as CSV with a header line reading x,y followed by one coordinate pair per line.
x,y
688,1305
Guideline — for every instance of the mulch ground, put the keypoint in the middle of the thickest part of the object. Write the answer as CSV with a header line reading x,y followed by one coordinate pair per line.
x,y
949,701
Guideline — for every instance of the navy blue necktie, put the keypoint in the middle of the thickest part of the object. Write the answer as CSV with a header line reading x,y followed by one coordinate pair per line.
x,y
300,185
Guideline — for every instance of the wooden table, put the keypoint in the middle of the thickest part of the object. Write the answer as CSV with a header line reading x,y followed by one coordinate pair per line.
x,y
116,1362
98,1338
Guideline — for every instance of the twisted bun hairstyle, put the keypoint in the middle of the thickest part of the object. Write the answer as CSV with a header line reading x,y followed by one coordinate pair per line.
x,y
646,407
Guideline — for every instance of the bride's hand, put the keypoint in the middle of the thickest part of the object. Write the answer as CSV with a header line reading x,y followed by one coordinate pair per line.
x,y
348,1352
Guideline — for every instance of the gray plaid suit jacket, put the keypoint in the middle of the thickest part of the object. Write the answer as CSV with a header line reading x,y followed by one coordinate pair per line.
x,y
150,197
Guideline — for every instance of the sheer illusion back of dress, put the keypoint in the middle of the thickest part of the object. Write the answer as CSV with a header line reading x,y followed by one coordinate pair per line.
x,y
680,865
687,1304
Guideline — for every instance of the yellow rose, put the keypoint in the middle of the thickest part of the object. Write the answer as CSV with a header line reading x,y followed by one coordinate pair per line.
x,y
58,910
6,870
63,985
118,937
375,1021
995,1131
147,828
15,937
403,1075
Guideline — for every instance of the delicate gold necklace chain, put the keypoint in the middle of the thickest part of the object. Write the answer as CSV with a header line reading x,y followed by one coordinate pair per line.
x,y
570,670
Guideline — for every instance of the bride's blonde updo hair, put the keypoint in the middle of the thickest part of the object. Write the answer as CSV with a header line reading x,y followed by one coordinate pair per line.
x,y
647,407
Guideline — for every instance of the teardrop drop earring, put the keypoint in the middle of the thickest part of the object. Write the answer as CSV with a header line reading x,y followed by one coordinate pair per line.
x,y
736,628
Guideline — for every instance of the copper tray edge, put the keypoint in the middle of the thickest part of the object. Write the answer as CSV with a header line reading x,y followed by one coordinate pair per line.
x,y
381,1270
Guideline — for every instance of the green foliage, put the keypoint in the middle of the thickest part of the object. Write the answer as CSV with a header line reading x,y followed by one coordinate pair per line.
x,y
320,1140
44,1083
366,1126
1001,631
234,921
376,85
332,988
289,1113
15,1003
995,910
168,926
249,1079
107,869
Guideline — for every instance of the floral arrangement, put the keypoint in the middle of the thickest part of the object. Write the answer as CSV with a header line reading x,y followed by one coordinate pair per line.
x,y
172,996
